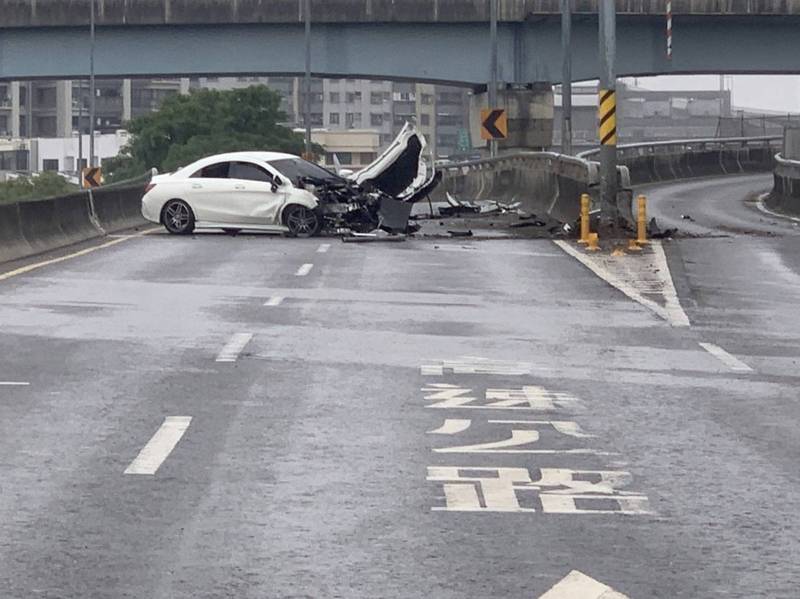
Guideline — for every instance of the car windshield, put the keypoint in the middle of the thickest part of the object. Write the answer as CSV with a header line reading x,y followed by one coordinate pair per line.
x,y
296,168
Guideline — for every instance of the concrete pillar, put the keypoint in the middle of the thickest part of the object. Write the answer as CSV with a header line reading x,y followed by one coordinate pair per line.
x,y
791,142
127,100
530,117
64,109
15,109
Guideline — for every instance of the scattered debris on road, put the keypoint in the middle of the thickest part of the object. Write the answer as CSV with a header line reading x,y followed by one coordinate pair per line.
x,y
372,237
655,232
531,223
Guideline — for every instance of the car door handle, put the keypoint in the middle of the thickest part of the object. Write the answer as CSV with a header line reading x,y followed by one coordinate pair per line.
x,y
238,186
196,186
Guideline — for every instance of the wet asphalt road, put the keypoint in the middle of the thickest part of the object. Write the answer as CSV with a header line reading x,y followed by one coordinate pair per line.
x,y
302,472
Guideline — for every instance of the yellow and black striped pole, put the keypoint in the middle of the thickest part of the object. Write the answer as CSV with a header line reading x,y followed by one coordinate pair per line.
x,y
608,117
607,109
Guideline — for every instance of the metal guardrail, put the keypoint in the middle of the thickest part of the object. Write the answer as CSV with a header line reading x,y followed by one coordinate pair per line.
x,y
698,144
573,167
787,161
509,157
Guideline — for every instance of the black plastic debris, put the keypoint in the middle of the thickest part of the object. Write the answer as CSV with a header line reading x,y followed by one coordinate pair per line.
x,y
527,223
467,233
655,232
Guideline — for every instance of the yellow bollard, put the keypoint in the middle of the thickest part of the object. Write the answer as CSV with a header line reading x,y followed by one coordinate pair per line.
x,y
633,246
641,221
592,243
585,201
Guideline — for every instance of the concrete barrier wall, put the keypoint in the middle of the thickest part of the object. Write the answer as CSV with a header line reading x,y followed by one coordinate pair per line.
x,y
119,206
29,228
785,194
672,165
550,183
543,182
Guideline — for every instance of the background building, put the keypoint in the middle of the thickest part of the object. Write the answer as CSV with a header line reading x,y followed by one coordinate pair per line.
x,y
60,110
650,115
376,109
353,148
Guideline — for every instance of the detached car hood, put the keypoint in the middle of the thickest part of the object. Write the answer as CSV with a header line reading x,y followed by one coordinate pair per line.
x,y
400,171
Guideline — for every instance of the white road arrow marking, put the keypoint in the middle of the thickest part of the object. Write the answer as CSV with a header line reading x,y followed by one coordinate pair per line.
x,y
577,585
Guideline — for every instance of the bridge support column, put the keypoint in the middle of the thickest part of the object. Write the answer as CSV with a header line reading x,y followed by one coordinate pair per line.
x,y
530,117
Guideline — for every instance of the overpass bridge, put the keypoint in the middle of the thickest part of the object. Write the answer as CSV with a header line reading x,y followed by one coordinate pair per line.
x,y
422,40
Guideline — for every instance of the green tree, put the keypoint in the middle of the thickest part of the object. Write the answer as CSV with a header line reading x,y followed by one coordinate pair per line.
x,y
35,187
188,127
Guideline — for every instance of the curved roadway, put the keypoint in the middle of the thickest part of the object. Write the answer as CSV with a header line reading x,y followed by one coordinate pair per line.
x,y
257,417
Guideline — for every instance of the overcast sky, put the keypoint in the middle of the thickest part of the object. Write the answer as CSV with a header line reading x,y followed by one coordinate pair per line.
x,y
764,92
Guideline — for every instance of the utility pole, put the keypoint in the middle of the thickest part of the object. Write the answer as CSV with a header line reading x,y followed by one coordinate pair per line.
x,y
80,127
566,77
607,96
493,67
307,79
92,90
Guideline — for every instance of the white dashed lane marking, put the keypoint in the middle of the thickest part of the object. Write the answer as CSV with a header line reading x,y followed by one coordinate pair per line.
x,y
304,270
275,300
234,347
323,248
576,585
13,384
159,446
730,361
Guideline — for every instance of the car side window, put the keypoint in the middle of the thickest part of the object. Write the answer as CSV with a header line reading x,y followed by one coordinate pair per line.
x,y
220,170
248,171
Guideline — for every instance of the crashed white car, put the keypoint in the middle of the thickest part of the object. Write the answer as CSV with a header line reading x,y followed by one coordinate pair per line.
x,y
272,191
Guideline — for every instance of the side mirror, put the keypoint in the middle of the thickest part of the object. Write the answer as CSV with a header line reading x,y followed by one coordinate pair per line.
x,y
276,182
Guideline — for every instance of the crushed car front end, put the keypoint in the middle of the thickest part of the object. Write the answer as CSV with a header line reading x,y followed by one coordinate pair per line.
x,y
380,196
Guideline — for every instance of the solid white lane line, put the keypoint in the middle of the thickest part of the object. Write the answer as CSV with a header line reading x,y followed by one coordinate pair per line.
x,y
323,248
304,270
159,446
275,300
89,250
763,208
672,311
234,347
13,384
730,361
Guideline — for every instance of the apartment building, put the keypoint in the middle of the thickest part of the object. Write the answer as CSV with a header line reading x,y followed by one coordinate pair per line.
x,y
49,109
358,104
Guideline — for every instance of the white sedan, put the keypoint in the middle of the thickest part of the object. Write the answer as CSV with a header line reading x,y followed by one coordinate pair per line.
x,y
273,191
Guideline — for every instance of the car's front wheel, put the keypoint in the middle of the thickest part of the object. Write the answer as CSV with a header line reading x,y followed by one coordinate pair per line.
x,y
301,221
178,217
